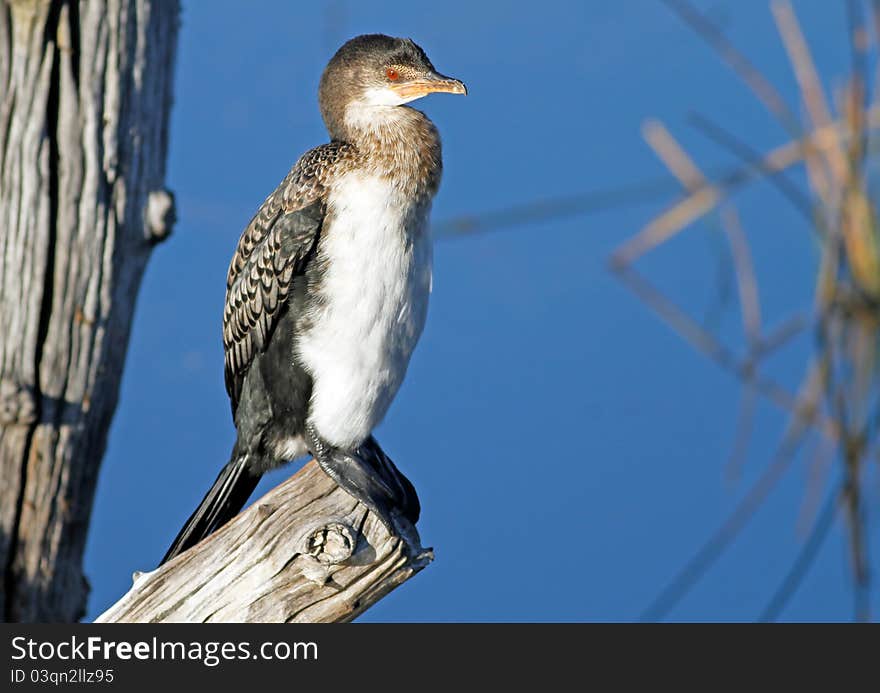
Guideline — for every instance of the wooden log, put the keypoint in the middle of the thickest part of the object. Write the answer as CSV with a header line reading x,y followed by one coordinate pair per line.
x,y
85,97
304,552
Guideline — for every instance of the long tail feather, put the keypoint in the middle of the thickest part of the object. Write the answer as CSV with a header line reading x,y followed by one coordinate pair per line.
x,y
226,498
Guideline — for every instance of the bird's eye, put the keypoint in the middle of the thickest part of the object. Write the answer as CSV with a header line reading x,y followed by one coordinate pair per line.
x,y
392,74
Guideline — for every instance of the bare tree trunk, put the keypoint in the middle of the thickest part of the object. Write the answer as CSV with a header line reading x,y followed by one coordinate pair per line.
x,y
306,552
85,95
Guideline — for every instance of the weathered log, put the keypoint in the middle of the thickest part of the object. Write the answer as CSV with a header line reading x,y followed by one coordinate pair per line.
x,y
304,552
85,95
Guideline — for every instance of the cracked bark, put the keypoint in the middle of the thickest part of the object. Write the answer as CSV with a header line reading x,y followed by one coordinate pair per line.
x,y
85,96
304,552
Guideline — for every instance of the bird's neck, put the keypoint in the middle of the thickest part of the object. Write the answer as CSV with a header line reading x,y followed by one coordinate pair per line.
x,y
398,143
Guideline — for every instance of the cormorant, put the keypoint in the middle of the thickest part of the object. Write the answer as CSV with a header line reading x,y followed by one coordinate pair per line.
x,y
327,291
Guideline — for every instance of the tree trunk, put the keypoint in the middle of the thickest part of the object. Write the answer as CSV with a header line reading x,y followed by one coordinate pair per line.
x,y
85,95
305,552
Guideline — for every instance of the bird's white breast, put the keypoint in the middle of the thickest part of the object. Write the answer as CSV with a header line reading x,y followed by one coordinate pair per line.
x,y
376,253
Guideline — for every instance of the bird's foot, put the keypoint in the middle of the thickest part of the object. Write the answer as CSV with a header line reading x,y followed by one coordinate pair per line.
x,y
406,500
370,476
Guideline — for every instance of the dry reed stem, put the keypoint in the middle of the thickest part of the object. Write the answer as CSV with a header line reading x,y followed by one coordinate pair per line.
x,y
702,201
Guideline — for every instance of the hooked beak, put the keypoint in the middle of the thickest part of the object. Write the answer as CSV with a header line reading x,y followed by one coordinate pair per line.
x,y
429,84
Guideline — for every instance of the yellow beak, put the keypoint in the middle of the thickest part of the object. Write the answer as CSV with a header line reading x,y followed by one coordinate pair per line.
x,y
430,84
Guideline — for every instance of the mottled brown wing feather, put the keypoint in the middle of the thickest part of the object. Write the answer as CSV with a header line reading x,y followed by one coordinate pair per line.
x,y
272,250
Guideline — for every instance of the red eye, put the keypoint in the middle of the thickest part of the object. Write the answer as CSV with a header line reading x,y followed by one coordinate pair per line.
x,y
391,73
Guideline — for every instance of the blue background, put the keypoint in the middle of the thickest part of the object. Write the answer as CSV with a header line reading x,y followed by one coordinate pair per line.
x,y
569,449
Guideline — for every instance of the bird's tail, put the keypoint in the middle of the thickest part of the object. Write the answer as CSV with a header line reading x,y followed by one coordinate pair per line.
x,y
227,496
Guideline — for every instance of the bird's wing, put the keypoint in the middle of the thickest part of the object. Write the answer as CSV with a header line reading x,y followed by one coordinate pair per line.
x,y
273,249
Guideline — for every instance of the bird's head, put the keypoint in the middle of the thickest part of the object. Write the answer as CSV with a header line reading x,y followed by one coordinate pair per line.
x,y
373,73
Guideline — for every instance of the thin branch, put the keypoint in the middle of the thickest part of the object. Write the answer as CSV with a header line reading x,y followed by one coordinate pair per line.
x,y
750,310
819,465
556,208
726,139
741,65
747,283
782,334
805,559
673,155
811,90
745,419
709,346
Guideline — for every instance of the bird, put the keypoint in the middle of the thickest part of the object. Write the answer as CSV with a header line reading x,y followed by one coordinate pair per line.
x,y
327,290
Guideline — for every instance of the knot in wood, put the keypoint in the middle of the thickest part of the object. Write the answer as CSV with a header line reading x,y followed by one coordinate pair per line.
x,y
331,543
161,215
